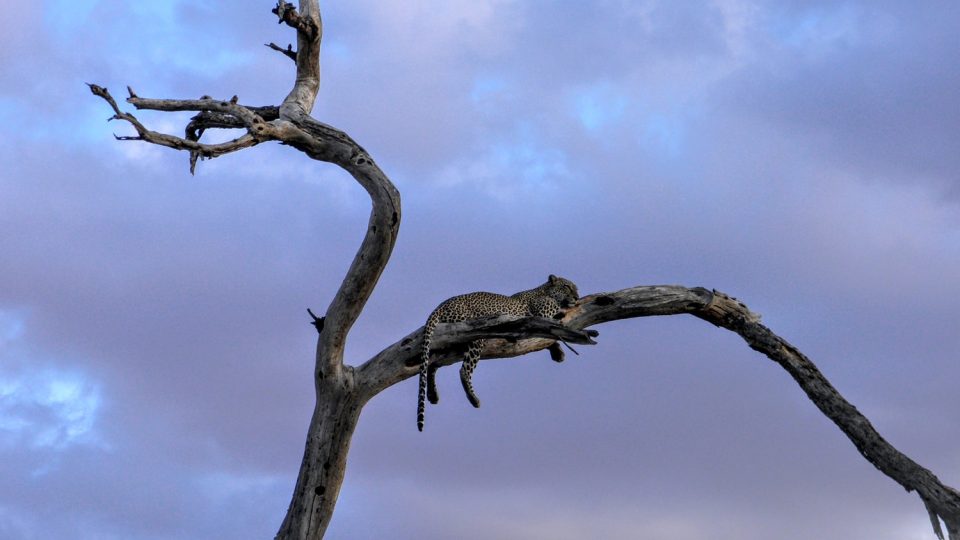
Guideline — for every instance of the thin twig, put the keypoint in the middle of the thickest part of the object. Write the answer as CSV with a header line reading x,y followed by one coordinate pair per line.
x,y
289,52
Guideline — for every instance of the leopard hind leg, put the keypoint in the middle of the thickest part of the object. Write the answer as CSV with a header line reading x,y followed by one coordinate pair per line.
x,y
466,370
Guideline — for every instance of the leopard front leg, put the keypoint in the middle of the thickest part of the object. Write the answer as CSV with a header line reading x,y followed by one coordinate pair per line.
x,y
466,370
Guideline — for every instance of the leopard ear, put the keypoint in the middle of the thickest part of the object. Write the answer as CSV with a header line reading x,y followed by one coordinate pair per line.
x,y
552,278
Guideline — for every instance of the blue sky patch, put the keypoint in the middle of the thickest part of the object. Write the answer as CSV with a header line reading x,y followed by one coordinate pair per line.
x,y
486,86
334,49
818,29
525,156
8,109
11,328
664,134
68,15
598,105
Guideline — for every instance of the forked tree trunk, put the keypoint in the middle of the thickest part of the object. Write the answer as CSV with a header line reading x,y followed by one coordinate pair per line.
x,y
343,390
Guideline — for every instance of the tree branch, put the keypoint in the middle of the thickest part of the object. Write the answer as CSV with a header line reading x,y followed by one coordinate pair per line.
x,y
941,501
215,120
288,52
399,361
247,117
195,148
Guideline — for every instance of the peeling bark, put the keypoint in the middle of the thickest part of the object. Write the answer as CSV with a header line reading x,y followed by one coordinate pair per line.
x,y
343,390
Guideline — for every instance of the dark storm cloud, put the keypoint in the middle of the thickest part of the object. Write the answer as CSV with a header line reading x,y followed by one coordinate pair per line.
x,y
153,338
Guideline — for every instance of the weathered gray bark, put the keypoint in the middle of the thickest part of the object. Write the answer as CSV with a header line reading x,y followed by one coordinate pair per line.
x,y
343,390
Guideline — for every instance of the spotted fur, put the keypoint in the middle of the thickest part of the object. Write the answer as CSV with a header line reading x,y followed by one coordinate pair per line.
x,y
547,300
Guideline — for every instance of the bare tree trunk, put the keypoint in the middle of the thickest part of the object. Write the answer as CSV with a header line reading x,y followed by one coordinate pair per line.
x,y
342,390
324,460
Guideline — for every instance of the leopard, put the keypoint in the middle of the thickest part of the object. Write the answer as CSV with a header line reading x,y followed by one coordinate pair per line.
x,y
549,300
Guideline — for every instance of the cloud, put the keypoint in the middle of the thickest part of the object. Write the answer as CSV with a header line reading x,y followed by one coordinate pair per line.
x,y
598,105
857,81
51,410
43,406
510,168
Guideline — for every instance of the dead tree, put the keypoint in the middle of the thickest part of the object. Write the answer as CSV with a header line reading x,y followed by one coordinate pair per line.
x,y
343,390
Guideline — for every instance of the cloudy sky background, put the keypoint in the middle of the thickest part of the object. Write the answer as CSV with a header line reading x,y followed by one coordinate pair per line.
x,y
804,156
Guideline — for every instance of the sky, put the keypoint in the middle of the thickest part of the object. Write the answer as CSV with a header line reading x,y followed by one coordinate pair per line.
x,y
803,156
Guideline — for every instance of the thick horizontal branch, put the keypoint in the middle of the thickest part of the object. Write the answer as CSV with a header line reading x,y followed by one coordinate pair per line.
x,y
508,328
512,329
399,361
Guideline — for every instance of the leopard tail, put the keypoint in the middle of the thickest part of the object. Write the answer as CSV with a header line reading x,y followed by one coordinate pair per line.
x,y
428,329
